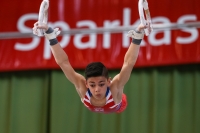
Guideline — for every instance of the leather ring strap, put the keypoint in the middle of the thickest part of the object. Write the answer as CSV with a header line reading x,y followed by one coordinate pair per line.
x,y
145,20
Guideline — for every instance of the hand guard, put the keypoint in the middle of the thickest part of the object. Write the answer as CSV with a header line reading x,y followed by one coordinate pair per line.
x,y
52,34
135,34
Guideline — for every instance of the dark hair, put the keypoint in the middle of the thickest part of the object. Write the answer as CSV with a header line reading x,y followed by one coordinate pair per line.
x,y
96,69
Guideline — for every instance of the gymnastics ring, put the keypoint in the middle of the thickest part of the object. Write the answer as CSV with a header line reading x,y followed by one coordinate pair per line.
x,y
143,4
43,15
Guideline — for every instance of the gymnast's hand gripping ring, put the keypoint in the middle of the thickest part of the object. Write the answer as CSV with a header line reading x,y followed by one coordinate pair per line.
x,y
142,4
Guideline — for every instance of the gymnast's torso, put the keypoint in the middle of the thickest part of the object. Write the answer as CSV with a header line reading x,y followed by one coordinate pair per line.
x,y
108,107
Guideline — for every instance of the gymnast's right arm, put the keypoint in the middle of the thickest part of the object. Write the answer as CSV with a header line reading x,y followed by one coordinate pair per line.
x,y
63,61
60,56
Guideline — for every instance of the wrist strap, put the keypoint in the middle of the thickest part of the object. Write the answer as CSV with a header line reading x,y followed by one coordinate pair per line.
x,y
51,35
136,41
136,36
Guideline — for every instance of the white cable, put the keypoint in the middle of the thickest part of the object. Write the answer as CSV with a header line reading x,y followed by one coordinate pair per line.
x,y
101,30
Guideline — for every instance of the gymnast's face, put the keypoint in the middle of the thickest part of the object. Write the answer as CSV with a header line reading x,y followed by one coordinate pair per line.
x,y
98,86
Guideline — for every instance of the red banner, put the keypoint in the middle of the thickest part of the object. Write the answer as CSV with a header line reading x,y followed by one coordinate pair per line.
x,y
164,47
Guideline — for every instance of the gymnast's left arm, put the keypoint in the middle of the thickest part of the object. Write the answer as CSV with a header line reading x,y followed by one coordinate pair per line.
x,y
130,56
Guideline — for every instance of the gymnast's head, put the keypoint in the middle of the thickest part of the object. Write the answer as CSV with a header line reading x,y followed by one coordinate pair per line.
x,y
96,69
97,80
